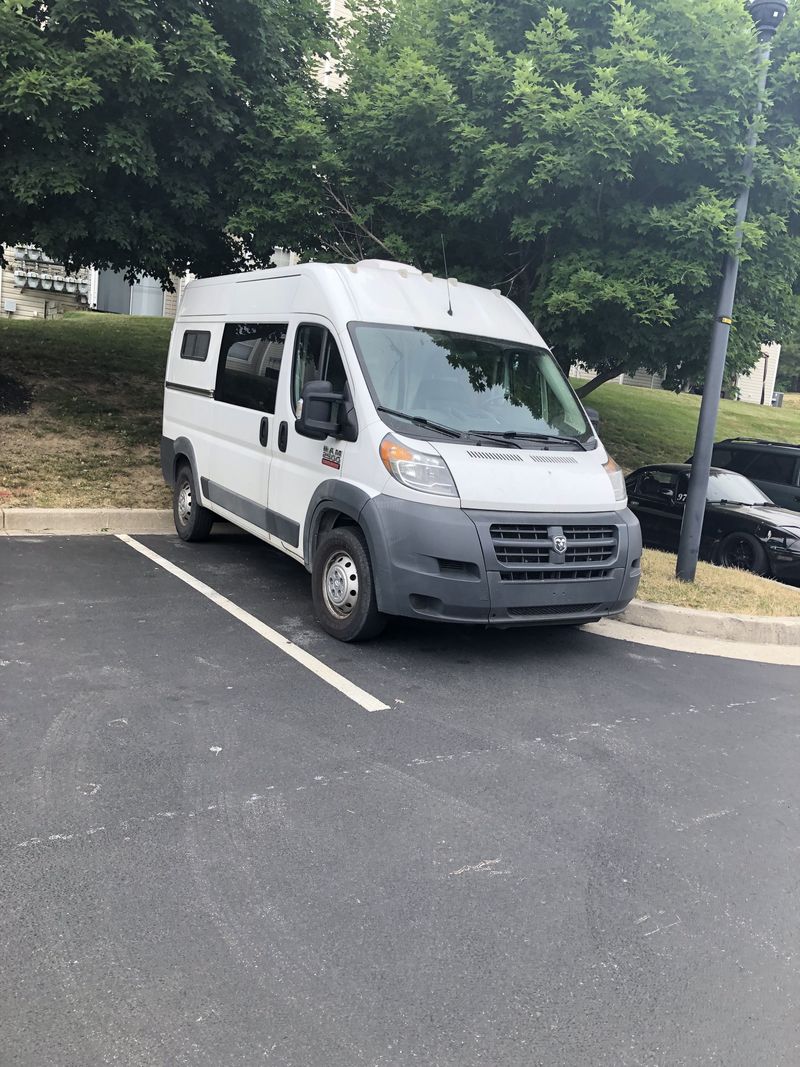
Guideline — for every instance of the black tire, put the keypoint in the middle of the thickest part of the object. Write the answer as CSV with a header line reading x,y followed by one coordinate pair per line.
x,y
343,586
193,522
745,552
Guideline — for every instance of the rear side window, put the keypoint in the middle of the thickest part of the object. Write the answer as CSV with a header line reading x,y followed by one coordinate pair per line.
x,y
733,459
249,364
195,345
772,467
316,359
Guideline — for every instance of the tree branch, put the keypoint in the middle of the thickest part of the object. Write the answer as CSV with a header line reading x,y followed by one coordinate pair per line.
x,y
600,379
350,214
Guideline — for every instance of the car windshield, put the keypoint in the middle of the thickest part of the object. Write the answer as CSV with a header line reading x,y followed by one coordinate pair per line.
x,y
471,384
733,489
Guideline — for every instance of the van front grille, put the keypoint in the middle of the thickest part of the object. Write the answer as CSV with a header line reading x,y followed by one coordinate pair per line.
x,y
552,609
525,544
555,574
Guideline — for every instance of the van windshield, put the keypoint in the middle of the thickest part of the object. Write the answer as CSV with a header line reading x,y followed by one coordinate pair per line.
x,y
471,384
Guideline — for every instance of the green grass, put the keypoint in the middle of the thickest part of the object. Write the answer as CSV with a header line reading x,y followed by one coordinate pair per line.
x,y
653,426
715,589
91,435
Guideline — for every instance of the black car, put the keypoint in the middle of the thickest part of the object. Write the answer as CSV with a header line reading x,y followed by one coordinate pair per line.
x,y
742,527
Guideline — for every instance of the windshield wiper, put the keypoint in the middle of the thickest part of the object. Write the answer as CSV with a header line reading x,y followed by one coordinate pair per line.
x,y
749,503
512,435
418,420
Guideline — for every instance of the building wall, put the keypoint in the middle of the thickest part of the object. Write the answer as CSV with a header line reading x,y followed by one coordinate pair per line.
x,y
24,302
760,382
337,9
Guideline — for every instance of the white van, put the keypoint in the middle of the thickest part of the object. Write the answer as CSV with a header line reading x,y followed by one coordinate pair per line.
x,y
409,439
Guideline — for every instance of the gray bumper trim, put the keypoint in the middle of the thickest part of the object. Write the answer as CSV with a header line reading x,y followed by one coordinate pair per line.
x,y
439,563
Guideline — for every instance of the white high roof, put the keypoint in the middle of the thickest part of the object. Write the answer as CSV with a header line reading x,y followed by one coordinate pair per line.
x,y
369,291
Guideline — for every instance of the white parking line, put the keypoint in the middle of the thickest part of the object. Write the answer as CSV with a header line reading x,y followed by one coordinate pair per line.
x,y
322,671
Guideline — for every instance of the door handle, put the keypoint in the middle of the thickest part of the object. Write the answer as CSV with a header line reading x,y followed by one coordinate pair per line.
x,y
283,436
263,431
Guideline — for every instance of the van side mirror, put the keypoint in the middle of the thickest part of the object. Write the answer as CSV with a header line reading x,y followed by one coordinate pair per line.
x,y
319,417
593,416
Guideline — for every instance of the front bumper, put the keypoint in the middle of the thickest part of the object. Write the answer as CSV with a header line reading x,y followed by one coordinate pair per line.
x,y
500,568
784,561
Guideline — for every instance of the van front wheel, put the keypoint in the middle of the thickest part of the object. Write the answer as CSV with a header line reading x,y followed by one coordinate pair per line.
x,y
193,522
343,586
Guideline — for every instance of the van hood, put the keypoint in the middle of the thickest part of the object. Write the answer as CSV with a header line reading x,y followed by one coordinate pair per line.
x,y
521,479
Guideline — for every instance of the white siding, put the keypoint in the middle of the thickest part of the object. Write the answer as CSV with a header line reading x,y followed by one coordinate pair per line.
x,y
761,379
643,379
30,303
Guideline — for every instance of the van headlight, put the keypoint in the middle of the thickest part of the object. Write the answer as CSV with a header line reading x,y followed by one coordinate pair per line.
x,y
614,472
418,470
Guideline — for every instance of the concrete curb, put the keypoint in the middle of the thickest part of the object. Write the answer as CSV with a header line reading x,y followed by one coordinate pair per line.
x,y
752,629
748,629
85,521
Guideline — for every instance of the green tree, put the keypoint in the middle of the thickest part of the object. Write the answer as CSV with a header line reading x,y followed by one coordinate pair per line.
x,y
788,378
130,130
584,157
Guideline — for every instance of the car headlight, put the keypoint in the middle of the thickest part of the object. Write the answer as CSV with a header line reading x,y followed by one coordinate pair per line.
x,y
418,470
614,472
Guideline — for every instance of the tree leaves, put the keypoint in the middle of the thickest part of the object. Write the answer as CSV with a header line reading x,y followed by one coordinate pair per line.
x,y
586,157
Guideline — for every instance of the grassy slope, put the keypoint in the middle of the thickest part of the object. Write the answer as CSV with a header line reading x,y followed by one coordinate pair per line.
x,y
715,589
91,435
652,426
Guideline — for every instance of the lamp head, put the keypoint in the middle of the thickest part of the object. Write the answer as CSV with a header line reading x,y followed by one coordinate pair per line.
x,y
767,15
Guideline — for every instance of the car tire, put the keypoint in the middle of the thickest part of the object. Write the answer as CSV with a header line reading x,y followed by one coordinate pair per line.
x,y
343,586
744,552
193,522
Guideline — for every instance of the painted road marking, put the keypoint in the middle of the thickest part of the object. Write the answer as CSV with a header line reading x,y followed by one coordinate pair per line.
x,y
311,663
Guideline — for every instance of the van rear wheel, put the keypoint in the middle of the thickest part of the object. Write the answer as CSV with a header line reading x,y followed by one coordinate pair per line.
x,y
193,522
343,586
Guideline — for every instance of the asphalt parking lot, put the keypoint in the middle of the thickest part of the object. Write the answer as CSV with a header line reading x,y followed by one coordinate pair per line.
x,y
547,847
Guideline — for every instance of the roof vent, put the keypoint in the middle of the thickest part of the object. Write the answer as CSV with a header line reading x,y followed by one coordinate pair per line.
x,y
388,264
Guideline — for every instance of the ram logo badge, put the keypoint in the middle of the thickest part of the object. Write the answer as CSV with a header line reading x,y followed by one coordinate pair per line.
x,y
331,457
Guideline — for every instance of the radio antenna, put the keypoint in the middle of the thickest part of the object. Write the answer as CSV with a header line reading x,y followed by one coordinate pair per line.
x,y
447,279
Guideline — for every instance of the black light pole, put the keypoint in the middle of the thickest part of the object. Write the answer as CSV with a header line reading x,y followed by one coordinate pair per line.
x,y
767,15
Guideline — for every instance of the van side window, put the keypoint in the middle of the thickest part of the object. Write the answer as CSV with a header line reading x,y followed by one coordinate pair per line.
x,y
195,345
316,359
249,364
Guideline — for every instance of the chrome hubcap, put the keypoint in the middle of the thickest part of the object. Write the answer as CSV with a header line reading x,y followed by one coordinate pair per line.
x,y
340,585
185,503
